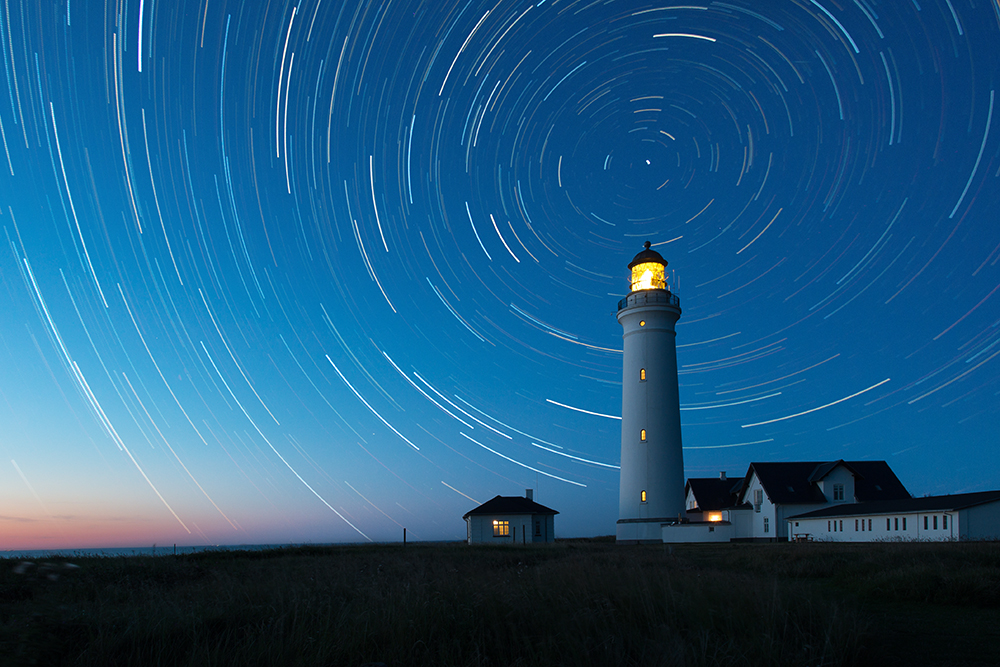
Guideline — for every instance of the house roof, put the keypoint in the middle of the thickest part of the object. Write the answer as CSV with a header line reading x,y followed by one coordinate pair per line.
x,y
794,482
510,505
948,503
713,493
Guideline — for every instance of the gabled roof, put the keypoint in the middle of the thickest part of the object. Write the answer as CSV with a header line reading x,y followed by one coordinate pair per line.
x,y
794,482
949,503
713,493
510,505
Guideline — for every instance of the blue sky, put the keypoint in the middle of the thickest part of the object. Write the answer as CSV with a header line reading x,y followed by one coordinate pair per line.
x,y
321,271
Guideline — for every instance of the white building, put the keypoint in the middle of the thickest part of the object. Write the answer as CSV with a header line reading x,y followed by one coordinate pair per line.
x,y
771,492
652,464
510,520
963,516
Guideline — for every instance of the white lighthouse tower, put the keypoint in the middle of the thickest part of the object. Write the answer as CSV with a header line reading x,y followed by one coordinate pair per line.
x,y
652,461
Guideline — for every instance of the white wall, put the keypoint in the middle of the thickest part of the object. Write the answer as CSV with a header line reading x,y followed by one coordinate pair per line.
x,y
822,529
686,533
981,522
766,511
481,529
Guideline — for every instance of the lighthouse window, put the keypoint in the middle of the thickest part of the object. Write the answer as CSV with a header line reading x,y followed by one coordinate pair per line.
x,y
642,496
642,323
642,375
642,435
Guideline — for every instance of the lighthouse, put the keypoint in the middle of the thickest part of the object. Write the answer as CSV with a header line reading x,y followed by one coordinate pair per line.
x,y
652,460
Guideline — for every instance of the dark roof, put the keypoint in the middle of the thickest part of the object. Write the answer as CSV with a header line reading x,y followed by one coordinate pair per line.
x,y
713,493
510,505
647,255
794,482
950,503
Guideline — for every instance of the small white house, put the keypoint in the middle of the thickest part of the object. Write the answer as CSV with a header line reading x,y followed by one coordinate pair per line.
x,y
962,516
510,520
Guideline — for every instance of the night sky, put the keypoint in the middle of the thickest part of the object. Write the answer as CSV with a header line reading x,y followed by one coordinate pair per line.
x,y
317,272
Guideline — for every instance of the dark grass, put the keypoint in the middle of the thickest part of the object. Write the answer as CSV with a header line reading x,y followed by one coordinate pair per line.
x,y
586,602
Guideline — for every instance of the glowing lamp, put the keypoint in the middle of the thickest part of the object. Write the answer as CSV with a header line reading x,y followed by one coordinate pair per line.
x,y
715,516
648,270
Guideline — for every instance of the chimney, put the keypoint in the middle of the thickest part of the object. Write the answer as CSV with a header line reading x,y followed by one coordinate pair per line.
x,y
529,494
722,475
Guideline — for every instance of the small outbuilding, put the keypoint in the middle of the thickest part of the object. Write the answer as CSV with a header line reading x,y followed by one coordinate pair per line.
x,y
510,520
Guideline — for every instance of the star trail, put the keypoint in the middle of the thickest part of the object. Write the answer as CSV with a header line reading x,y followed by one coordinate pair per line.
x,y
315,272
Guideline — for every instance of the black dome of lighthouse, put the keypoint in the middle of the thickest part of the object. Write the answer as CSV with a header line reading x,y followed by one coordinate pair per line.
x,y
647,255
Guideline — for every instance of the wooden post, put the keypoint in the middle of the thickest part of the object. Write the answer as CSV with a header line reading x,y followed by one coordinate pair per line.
x,y
513,535
404,537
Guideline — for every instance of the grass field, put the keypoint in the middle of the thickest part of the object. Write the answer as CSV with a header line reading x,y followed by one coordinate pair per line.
x,y
586,602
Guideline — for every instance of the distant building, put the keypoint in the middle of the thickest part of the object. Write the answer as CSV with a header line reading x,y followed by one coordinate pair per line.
x,y
962,516
510,520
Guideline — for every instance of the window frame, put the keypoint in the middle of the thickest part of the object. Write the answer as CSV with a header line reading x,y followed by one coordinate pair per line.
x,y
501,528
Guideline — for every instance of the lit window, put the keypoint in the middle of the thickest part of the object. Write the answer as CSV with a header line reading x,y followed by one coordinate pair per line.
x,y
642,496
501,528
838,491
642,435
767,526
944,522
642,375
715,516
648,275
642,323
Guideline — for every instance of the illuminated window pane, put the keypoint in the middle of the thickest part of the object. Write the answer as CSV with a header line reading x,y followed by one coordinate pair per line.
x,y
642,496
642,435
648,275
642,323
642,374
501,528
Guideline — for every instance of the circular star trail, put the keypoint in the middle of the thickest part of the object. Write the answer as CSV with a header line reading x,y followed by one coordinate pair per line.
x,y
317,272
